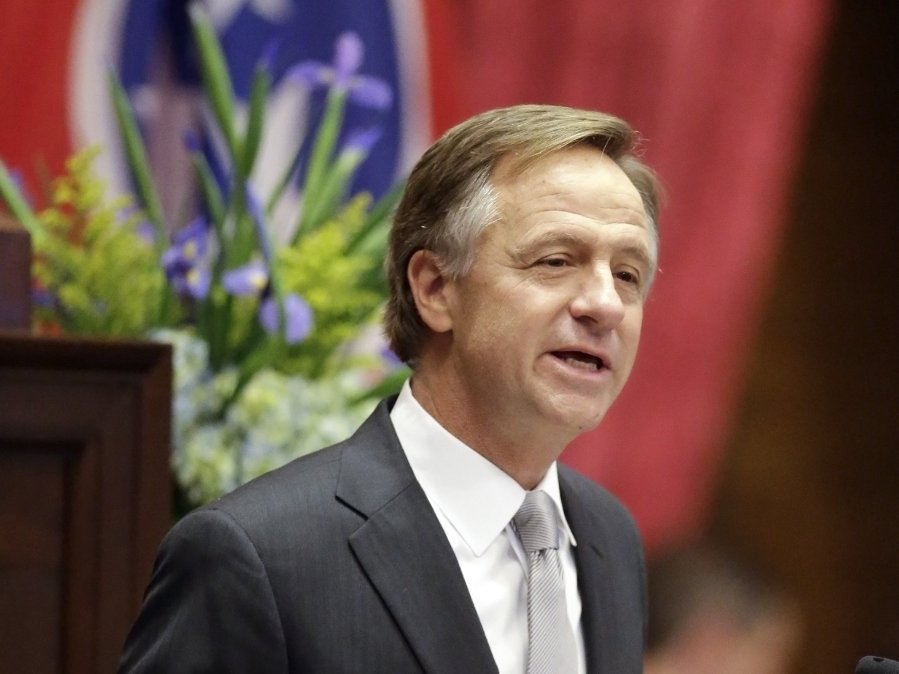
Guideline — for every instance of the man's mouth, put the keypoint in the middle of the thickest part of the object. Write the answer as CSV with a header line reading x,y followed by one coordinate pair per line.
x,y
581,360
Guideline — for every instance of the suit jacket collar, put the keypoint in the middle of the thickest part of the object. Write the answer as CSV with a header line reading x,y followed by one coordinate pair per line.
x,y
405,554
593,576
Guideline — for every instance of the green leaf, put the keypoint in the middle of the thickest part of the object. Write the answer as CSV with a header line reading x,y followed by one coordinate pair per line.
x,y
320,159
378,218
389,385
216,81
329,194
136,154
253,137
286,177
212,195
19,207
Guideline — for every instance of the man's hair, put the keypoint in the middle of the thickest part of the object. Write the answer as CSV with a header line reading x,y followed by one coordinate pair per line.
x,y
449,199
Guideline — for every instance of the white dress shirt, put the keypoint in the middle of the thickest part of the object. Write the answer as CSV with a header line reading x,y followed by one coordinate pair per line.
x,y
475,501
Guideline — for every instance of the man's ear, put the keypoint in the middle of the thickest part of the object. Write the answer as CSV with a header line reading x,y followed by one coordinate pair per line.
x,y
429,285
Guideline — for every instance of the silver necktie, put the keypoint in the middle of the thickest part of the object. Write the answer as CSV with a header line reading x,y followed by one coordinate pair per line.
x,y
551,644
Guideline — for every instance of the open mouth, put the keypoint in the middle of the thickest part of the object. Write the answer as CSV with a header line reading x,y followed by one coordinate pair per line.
x,y
581,360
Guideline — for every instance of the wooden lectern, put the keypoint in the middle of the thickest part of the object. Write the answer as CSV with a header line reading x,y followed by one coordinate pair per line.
x,y
85,494
15,275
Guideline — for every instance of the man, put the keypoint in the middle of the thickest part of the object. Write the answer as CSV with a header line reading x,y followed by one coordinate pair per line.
x,y
520,259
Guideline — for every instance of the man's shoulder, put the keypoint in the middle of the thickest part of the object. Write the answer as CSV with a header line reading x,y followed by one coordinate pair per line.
x,y
579,485
280,500
583,494
304,485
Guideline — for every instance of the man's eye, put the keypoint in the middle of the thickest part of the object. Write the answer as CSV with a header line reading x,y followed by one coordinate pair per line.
x,y
554,262
628,277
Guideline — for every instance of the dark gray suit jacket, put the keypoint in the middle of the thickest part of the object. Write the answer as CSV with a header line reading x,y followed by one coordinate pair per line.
x,y
336,563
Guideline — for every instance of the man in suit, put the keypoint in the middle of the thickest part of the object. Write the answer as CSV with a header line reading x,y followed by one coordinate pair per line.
x,y
520,258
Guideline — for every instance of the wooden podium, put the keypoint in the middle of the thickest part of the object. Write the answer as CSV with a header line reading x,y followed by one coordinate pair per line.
x,y
85,493
15,275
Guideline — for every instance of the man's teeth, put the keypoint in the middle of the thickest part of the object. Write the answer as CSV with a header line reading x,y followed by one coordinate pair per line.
x,y
582,361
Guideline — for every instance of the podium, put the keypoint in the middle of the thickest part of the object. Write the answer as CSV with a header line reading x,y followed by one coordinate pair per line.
x,y
15,276
85,494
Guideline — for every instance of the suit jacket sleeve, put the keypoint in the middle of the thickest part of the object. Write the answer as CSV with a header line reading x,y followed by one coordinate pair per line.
x,y
209,605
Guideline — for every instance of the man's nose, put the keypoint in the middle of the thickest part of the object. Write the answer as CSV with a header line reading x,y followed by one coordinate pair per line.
x,y
597,299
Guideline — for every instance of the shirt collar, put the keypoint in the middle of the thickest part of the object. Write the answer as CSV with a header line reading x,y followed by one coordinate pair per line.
x,y
474,495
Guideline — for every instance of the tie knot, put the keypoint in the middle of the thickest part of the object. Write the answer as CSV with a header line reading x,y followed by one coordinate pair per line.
x,y
536,522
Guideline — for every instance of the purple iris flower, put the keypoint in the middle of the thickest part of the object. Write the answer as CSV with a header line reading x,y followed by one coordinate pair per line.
x,y
146,231
191,142
361,141
144,228
390,359
189,243
185,261
250,279
269,54
297,314
194,282
371,92
207,148
43,298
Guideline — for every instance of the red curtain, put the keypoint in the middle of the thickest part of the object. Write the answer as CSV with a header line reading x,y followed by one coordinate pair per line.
x,y
719,90
34,62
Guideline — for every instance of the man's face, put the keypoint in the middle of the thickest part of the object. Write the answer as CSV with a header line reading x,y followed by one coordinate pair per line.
x,y
546,324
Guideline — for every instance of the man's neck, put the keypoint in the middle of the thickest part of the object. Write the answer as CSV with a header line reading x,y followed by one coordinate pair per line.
x,y
519,453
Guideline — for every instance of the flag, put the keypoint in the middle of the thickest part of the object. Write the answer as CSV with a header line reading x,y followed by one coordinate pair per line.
x,y
56,58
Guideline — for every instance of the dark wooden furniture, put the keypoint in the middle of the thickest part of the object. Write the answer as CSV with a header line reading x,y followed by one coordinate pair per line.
x,y
85,496
15,275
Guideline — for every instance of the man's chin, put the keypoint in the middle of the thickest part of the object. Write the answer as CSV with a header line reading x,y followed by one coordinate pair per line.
x,y
577,417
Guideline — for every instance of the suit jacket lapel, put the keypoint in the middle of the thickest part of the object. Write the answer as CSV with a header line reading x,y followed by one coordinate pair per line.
x,y
593,580
404,552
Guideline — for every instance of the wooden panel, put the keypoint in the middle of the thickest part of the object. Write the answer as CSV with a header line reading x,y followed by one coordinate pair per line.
x,y
84,447
15,275
31,557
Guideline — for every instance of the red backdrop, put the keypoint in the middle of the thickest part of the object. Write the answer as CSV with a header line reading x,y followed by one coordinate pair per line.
x,y
720,91
34,61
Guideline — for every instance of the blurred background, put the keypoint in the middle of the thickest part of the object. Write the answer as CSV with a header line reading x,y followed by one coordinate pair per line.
x,y
761,414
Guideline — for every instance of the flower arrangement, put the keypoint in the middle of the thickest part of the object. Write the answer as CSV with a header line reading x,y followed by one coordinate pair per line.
x,y
275,347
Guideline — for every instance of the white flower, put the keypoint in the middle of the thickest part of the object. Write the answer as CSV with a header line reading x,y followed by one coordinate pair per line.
x,y
222,440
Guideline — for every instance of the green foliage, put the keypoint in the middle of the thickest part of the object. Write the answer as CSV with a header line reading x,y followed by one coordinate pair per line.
x,y
249,395
321,269
90,245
